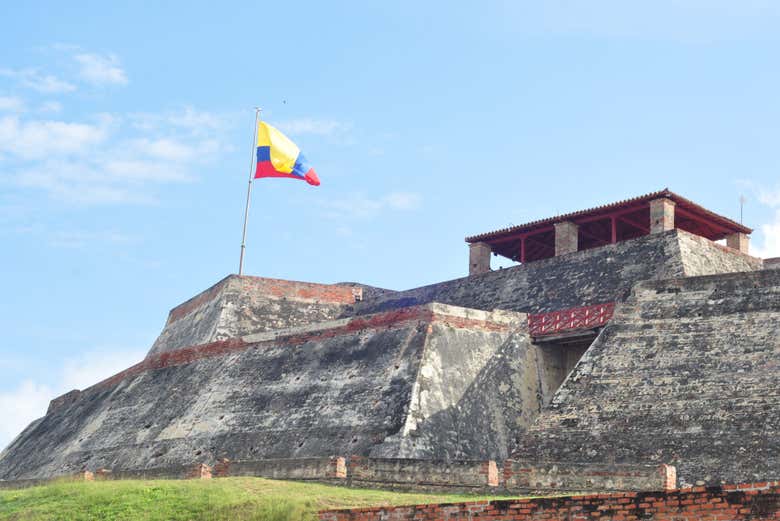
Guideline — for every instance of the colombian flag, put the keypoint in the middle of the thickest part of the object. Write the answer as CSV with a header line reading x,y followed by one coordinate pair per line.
x,y
277,156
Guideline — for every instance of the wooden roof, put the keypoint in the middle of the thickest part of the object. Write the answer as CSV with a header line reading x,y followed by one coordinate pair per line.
x,y
713,226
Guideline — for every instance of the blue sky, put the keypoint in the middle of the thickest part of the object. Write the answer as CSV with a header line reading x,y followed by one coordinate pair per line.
x,y
125,134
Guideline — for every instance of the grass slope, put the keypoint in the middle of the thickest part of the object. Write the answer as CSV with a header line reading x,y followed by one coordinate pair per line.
x,y
238,499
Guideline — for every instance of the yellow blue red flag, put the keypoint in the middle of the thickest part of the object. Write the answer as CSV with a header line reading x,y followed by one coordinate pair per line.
x,y
277,156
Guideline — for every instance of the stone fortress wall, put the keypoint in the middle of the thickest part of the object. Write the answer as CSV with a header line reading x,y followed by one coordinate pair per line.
x,y
253,369
686,373
593,276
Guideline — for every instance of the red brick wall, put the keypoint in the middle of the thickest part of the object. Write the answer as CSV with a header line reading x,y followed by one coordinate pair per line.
x,y
757,501
278,288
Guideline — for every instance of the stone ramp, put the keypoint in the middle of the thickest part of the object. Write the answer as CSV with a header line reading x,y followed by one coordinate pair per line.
x,y
342,386
686,374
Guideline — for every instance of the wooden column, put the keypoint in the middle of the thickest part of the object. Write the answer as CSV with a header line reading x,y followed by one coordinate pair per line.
x,y
613,220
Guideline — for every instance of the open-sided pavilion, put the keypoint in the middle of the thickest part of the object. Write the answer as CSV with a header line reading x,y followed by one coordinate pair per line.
x,y
650,213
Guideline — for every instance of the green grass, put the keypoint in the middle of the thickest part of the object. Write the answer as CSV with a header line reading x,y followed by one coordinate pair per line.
x,y
234,499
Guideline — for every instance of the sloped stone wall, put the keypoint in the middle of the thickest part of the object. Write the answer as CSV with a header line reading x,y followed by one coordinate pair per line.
x,y
701,256
686,374
593,276
342,387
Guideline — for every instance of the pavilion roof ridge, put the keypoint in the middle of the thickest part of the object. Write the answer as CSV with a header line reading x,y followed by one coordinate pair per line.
x,y
720,219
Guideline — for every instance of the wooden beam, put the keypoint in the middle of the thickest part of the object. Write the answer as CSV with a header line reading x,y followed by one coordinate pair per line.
x,y
693,217
634,224
513,236
608,214
613,228
522,250
594,237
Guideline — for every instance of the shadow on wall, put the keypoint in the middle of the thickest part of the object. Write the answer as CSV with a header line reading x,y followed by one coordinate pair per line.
x,y
499,404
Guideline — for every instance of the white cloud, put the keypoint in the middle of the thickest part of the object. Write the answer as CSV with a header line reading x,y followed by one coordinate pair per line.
x,y
338,132
92,367
770,232
319,127
769,197
360,206
11,104
44,138
164,148
187,120
111,160
50,107
36,80
102,159
19,406
100,69
771,244
29,400
403,200
81,238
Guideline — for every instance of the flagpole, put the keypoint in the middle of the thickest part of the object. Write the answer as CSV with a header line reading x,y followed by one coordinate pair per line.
x,y
249,193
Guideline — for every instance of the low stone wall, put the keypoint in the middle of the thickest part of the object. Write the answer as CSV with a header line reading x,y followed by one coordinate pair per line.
x,y
458,476
418,475
298,469
196,471
758,501
421,475
572,477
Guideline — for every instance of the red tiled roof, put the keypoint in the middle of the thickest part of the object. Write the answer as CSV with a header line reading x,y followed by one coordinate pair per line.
x,y
687,204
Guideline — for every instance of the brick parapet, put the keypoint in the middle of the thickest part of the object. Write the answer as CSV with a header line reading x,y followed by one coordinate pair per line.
x,y
273,289
63,400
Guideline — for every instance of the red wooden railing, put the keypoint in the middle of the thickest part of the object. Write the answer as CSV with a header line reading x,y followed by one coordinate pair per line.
x,y
585,317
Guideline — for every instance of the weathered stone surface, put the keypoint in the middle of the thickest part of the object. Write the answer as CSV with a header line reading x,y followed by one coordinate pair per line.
x,y
586,277
773,263
686,373
701,256
447,420
237,306
342,388
261,368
